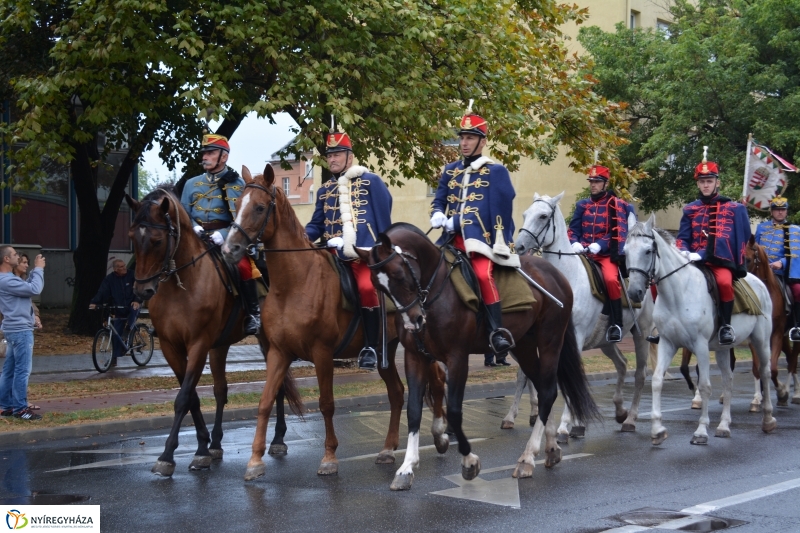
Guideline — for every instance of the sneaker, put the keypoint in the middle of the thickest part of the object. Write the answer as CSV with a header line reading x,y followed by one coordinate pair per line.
x,y
27,414
7,412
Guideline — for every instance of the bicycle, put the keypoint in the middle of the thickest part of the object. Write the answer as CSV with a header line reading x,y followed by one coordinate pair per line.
x,y
139,343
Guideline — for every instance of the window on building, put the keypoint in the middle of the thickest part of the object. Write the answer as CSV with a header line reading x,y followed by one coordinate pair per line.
x,y
662,27
286,186
432,190
309,172
311,195
634,19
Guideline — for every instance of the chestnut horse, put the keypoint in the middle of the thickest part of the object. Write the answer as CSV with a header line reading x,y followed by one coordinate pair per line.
x,y
435,323
303,317
189,304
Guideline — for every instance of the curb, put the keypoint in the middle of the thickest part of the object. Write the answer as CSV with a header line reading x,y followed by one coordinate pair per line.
x,y
11,438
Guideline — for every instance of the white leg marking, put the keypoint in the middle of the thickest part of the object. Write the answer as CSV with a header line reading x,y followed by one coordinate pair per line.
x,y
412,455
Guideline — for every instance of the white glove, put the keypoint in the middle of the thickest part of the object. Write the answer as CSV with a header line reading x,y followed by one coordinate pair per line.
x,y
217,238
695,257
438,219
449,226
685,253
336,242
594,248
198,230
577,248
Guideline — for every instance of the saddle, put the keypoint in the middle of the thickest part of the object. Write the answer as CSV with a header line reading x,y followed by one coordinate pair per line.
x,y
788,298
598,286
745,299
515,293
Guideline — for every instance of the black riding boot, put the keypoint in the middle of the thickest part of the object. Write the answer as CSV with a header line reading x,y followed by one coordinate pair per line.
x,y
794,333
488,359
252,317
726,333
653,337
614,331
368,358
497,341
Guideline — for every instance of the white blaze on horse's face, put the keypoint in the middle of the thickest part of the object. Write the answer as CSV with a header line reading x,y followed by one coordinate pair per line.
x,y
242,207
383,279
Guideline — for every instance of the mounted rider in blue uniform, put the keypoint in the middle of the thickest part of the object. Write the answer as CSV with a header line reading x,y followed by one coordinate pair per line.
x,y
210,200
781,241
714,230
353,208
474,201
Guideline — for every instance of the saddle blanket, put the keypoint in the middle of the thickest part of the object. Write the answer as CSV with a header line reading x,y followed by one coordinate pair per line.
x,y
598,286
744,298
515,293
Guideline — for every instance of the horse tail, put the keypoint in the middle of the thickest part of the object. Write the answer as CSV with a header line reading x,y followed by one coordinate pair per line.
x,y
572,380
292,394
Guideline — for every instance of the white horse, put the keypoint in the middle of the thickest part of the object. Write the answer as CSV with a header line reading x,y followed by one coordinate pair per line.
x,y
684,314
544,229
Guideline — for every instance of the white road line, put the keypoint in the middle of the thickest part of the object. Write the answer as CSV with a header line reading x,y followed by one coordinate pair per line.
x,y
398,452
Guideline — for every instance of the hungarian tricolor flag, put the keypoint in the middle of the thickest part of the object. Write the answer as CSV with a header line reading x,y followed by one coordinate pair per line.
x,y
764,175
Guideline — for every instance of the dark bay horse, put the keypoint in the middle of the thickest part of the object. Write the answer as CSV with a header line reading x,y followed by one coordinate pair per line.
x,y
434,323
303,317
189,305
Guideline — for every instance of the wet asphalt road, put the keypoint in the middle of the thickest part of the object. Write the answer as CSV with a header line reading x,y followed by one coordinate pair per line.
x,y
620,472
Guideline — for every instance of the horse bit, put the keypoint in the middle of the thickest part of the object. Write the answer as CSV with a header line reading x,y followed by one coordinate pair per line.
x,y
252,244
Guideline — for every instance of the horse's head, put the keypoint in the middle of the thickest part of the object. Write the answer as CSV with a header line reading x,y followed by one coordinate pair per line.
x,y
254,209
641,255
154,233
538,229
756,257
397,270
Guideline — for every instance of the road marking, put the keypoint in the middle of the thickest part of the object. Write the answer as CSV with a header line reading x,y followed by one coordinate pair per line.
x,y
699,511
503,492
399,452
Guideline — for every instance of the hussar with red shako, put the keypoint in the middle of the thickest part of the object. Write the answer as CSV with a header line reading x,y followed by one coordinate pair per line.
x,y
599,227
714,231
353,208
474,203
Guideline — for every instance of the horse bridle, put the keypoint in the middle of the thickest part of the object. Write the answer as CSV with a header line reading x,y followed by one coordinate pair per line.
x,y
422,294
253,243
550,222
650,273
168,267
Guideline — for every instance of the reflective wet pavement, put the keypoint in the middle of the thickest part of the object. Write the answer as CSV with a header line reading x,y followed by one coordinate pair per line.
x,y
602,480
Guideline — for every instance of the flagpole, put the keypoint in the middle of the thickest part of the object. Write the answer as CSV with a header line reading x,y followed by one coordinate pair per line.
x,y
746,167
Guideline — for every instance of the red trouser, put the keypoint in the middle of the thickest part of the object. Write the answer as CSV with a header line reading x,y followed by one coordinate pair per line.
x,y
724,279
795,291
483,267
610,276
366,290
245,270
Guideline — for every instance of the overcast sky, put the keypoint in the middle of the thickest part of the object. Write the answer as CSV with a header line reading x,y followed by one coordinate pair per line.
x,y
253,143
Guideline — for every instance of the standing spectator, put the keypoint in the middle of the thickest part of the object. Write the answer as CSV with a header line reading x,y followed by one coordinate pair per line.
x,y
21,271
17,326
117,289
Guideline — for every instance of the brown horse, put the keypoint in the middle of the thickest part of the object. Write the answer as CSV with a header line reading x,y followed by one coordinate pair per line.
x,y
303,317
435,323
190,304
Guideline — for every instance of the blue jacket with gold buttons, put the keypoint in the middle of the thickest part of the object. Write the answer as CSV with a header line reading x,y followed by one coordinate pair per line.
x,y
204,197
782,243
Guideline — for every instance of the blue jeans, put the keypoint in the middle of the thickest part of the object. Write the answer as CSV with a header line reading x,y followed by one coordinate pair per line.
x,y
16,371
119,324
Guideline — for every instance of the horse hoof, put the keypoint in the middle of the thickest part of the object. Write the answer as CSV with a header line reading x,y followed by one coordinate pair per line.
x,y
755,407
721,400
327,469
723,433
660,437
622,417
442,444
562,438
783,402
769,427
578,432
796,400
278,449
523,470
699,440
255,472
471,472
163,468
697,405
552,458
402,482
216,453
505,424
386,457
628,428
532,419
200,462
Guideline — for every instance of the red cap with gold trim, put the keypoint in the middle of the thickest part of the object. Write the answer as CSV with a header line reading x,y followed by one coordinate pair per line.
x,y
599,172
473,124
338,142
212,141
706,168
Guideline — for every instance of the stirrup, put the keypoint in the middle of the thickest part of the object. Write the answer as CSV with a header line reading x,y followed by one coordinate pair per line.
x,y
617,330
794,334
499,331
726,328
368,358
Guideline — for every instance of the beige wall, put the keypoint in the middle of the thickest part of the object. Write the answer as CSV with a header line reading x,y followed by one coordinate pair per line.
x,y
411,202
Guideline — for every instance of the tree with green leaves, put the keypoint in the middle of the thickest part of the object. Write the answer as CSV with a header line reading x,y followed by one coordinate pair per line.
x,y
395,75
725,69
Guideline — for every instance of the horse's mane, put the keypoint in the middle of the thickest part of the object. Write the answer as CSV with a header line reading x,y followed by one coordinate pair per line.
x,y
406,226
639,231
